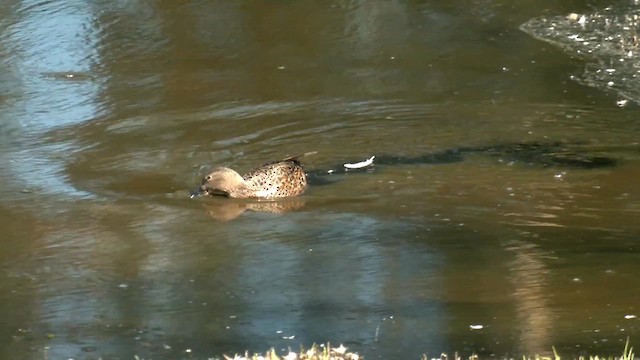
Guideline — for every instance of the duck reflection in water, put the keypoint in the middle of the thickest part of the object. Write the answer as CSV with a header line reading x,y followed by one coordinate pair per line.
x,y
222,210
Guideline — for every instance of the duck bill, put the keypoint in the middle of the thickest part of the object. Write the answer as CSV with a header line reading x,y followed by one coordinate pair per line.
x,y
201,191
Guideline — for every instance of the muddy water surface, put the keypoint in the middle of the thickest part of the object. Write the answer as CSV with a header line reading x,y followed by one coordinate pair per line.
x,y
110,111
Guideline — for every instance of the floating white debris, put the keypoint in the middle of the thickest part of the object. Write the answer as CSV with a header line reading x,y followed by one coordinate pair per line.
x,y
582,20
476,327
572,17
361,164
630,316
621,103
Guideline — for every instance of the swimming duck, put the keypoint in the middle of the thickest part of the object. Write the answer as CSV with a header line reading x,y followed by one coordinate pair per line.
x,y
276,179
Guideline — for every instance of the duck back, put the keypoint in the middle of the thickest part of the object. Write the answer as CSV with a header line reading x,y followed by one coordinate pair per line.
x,y
282,178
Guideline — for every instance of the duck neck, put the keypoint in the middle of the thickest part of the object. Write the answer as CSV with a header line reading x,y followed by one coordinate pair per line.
x,y
241,190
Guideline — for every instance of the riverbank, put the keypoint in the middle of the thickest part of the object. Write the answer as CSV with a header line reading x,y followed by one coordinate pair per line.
x,y
326,352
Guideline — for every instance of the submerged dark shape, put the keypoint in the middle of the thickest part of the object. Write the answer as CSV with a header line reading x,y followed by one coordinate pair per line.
x,y
545,154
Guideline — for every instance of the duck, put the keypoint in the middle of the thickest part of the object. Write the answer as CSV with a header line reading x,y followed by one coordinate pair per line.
x,y
275,179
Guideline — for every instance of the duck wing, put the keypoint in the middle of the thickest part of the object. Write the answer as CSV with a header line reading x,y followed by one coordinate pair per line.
x,y
278,178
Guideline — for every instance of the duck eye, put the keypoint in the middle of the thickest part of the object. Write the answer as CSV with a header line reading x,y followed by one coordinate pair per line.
x,y
208,177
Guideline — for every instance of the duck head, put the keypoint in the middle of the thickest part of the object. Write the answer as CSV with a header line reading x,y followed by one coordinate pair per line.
x,y
223,181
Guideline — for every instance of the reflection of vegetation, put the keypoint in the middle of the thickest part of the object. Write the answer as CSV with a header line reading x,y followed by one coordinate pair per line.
x,y
612,32
608,39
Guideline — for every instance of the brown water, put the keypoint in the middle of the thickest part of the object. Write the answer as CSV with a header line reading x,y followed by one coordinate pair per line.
x,y
110,111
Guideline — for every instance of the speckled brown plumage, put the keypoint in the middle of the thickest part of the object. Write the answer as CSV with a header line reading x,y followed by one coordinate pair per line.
x,y
277,179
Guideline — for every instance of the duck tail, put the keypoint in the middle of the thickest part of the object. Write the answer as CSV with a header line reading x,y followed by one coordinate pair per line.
x,y
299,156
